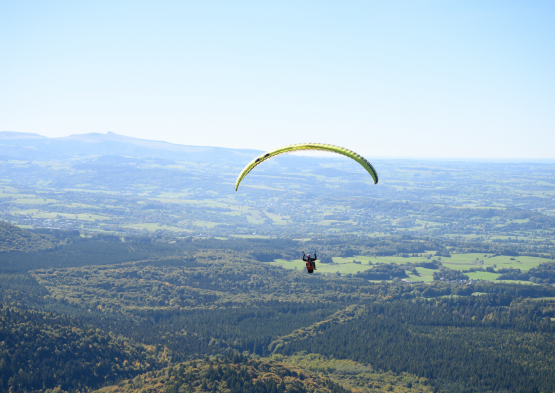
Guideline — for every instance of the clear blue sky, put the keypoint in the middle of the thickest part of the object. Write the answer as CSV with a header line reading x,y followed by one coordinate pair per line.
x,y
385,78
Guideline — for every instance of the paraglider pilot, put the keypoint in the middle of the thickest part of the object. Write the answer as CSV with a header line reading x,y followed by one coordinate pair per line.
x,y
310,262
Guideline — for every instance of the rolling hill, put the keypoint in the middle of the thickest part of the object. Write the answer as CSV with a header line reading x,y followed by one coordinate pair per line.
x,y
13,238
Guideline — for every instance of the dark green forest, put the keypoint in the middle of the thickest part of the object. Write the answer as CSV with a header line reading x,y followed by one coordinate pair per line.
x,y
481,343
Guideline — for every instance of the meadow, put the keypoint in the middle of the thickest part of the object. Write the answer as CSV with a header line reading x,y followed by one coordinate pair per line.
x,y
458,262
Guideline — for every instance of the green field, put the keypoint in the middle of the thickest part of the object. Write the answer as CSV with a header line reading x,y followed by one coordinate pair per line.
x,y
515,282
277,219
460,262
235,213
205,224
358,258
523,263
255,217
155,226
35,213
323,268
34,201
424,275
483,276
77,205
253,236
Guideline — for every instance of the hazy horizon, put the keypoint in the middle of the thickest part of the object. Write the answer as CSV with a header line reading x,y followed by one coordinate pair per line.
x,y
538,160
403,79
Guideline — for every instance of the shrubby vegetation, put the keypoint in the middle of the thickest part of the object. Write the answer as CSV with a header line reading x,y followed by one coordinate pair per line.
x,y
543,274
357,376
449,274
383,272
234,373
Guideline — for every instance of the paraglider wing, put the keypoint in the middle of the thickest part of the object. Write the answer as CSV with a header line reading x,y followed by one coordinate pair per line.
x,y
307,146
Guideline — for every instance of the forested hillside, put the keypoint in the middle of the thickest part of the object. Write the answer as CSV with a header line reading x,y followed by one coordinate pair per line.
x,y
41,351
207,301
234,374
488,343
13,238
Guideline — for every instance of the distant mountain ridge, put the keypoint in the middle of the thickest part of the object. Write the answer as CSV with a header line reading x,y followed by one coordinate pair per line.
x,y
29,146
106,147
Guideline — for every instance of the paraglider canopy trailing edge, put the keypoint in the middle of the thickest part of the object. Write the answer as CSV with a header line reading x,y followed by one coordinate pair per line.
x,y
307,146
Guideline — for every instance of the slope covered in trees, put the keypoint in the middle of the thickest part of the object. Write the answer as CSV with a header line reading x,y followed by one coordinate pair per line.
x,y
196,298
233,374
482,344
43,351
13,238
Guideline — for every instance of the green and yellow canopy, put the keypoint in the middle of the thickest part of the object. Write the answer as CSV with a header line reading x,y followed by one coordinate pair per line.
x,y
307,146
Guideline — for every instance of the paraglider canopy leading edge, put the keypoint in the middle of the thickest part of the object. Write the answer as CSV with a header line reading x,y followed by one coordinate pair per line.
x,y
307,146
